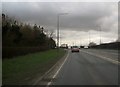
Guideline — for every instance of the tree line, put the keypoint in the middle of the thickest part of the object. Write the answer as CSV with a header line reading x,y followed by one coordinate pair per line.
x,y
19,37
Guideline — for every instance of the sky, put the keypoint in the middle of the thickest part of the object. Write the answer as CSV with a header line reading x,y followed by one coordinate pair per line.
x,y
81,25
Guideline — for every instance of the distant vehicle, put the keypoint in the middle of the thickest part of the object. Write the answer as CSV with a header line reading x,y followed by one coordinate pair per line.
x,y
75,49
86,47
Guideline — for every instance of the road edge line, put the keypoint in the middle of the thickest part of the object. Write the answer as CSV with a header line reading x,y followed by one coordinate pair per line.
x,y
35,83
49,83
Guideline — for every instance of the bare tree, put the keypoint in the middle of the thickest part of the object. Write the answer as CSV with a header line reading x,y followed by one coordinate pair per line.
x,y
49,33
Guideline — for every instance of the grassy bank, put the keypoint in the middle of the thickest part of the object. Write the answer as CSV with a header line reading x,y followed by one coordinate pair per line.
x,y
22,69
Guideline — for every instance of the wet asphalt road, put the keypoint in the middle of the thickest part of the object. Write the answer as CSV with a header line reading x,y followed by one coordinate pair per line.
x,y
85,69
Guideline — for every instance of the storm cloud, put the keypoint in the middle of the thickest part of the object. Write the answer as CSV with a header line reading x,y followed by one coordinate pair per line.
x,y
82,17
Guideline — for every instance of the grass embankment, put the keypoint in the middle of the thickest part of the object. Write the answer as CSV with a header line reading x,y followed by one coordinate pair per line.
x,y
22,69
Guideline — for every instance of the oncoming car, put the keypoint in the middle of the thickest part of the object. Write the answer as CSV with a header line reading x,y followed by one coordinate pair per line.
x,y
75,49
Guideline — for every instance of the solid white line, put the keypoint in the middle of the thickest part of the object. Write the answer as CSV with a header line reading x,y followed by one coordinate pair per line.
x,y
105,58
49,83
44,74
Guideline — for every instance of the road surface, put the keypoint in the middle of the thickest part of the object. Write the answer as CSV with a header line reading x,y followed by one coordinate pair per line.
x,y
88,67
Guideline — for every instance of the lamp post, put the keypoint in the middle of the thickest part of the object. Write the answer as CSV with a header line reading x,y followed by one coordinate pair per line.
x,y
99,30
89,38
100,34
58,17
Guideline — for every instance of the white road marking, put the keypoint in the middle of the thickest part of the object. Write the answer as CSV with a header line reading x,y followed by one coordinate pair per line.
x,y
49,83
35,83
105,58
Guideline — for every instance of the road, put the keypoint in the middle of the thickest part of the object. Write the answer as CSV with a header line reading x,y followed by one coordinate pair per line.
x,y
88,67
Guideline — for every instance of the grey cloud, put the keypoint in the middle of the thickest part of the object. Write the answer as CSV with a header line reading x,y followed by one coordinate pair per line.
x,y
82,17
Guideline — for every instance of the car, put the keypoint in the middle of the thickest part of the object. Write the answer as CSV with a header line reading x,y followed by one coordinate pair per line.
x,y
75,49
86,47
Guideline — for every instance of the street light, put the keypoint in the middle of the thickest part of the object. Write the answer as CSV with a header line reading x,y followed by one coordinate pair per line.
x,y
100,32
99,29
58,27
89,38
100,35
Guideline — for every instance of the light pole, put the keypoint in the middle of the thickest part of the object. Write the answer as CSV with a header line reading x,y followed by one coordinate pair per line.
x,y
58,16
89,38
99,29
100,34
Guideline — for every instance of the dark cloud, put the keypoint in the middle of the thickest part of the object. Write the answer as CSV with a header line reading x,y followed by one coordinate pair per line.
x,y
83,16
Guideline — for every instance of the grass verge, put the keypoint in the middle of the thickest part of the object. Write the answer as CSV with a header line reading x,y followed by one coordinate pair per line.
x,y
21,70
